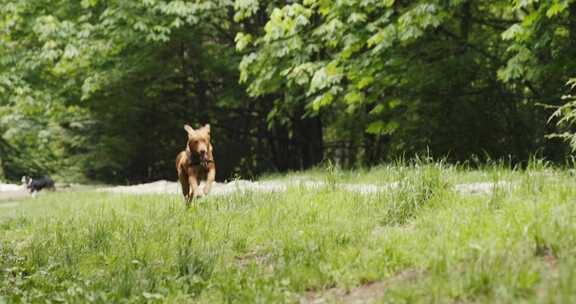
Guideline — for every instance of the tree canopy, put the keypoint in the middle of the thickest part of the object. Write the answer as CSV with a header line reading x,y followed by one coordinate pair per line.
x,y
100,90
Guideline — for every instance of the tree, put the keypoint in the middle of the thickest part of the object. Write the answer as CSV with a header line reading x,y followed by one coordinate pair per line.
x,y
413,75
100,89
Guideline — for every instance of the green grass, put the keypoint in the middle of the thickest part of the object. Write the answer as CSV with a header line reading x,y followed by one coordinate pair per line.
x,y
392,172
423,241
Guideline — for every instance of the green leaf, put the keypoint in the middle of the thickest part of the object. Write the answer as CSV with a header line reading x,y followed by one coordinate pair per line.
x,y
242,41
321,101
380,127
364,82
377,109
354,97
375,127
356,18
556,9
513,32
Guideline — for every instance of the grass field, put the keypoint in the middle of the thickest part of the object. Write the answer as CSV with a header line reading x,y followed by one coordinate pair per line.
x,y
422,242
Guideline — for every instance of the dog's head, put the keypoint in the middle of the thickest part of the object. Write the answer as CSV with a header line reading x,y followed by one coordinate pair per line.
x,y
25,180
199,141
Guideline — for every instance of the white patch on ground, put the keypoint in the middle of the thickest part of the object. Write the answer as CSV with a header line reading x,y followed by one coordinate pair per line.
x,y
11,192
161,186
168,187
10,187
482,187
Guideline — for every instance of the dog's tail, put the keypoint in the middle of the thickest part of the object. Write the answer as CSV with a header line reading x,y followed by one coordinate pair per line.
x,y
50,183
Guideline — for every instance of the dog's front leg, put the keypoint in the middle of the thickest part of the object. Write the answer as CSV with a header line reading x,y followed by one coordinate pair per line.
x,y
194,189
209,180
184,183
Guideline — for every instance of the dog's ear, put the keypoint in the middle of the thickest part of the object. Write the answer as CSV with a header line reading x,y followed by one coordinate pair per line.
x,y
207,128
189,129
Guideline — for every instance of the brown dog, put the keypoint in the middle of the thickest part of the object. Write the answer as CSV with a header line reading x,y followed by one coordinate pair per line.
x,y
196,163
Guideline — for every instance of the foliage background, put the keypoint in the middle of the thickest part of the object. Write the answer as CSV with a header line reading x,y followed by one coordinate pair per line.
x,y
99,90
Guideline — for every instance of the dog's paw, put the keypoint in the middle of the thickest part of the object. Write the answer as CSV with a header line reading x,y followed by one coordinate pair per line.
x,y
198,194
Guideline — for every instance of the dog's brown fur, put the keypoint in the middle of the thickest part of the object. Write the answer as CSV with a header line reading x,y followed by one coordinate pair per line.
x,y
196,163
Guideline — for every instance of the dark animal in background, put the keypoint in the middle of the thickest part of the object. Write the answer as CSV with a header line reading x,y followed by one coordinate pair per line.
x,y
196,163
39,183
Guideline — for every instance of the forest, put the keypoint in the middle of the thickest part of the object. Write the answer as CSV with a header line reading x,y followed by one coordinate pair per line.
x,y
367,151
99,90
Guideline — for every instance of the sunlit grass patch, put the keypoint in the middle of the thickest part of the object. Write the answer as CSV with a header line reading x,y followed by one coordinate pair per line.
x,y
421,241
391,172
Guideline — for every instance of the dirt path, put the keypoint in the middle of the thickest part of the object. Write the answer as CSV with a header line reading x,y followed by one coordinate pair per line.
x,y
13,194
168,187
10,194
